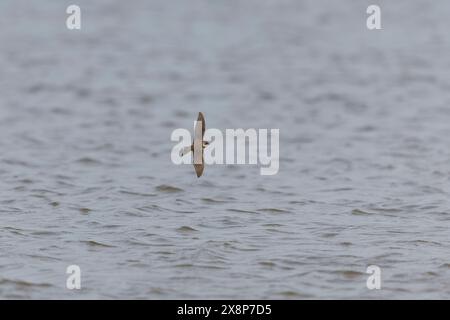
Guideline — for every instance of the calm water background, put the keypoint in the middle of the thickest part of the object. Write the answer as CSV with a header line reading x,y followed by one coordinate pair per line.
x,y
85,170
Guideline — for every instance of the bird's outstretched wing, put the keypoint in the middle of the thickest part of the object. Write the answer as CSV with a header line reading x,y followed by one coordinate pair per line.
x,y
199,164
199,168
201,120
198,138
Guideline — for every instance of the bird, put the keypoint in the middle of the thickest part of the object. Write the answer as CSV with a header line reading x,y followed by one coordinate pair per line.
x,y
199,132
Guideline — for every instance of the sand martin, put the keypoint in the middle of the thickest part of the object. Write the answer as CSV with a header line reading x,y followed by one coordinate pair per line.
x,y
198,145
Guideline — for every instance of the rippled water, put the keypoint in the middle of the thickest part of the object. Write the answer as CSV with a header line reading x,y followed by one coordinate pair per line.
x,y
85,170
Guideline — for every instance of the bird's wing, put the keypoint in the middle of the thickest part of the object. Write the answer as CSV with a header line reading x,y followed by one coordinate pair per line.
x,y
198,144
201,120
199,168
198,139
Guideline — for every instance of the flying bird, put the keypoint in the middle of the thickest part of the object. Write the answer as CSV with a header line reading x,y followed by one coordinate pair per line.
x,y
198,145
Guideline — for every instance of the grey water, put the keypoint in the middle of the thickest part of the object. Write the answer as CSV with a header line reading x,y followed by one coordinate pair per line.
x,y
85,171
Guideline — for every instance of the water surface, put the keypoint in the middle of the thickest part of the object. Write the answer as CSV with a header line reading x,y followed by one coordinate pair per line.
x,y
85,170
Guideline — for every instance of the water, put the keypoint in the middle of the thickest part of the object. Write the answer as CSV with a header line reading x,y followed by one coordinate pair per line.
x,y
85,170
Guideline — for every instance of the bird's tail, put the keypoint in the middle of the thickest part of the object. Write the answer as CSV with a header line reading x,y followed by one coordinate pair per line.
x,y
185,151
